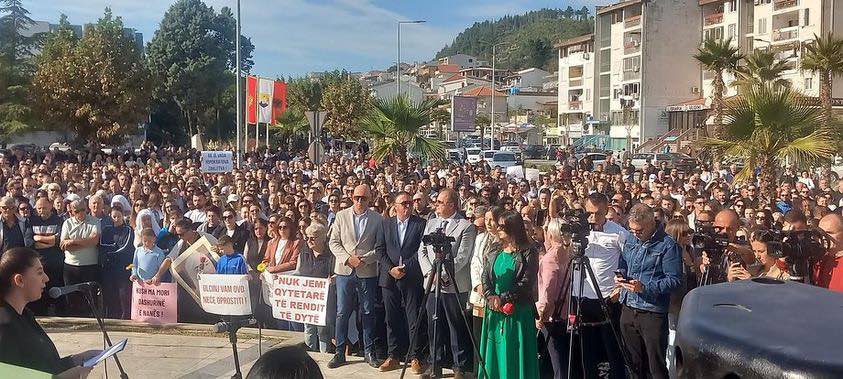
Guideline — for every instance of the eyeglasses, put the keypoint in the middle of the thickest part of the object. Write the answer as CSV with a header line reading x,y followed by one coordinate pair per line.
x,y
228,217
360,198
407,203
310,239
283,226
23,209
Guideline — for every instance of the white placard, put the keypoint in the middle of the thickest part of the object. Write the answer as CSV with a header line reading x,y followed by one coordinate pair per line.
x,y
516,172
297,298
532,174
224,294
214,162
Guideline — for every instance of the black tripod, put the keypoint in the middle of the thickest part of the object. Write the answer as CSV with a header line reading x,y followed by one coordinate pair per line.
x,y
89,298
443,263
581,263
231,326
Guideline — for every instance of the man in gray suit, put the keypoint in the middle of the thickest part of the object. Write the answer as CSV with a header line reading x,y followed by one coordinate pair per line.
x,y
452,304
354,240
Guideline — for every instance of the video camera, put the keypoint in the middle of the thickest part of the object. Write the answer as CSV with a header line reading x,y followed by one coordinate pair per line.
x,y
707,239
799,248
439,240
576,224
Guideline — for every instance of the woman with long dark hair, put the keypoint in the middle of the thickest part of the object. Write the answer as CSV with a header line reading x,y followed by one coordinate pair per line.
x,y
508,341
23,342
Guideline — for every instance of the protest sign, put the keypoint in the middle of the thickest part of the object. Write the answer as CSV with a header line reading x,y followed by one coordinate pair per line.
x,y
226,295
189,264
154,304
214,162
515,172
532,174
297,298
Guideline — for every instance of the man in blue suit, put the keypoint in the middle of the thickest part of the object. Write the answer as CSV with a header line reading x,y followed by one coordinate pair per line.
x,y
401,283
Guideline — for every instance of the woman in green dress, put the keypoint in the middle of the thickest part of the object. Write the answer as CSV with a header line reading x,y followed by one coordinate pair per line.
x,y
508,342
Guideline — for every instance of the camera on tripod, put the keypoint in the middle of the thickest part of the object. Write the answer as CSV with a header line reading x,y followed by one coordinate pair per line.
x,y
707,239
440,242
799,248
576,224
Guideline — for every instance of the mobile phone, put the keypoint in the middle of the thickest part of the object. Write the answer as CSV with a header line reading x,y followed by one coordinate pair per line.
x,y
620,275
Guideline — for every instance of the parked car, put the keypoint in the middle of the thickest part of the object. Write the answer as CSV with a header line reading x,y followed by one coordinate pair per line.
x,y
473,154
512,147
456,155
681,162
534,152
639,159
596,158
504,159
487,155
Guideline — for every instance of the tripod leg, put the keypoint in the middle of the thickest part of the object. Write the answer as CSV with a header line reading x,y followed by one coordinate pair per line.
x,y
605,309
450,270
232,337
417,325
575,326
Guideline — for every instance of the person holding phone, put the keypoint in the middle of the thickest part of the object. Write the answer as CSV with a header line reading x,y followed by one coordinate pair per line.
x,y
23,342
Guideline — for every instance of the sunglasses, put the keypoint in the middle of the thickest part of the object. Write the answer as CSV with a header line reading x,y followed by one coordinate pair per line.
x,y
408,203
310,239
360,198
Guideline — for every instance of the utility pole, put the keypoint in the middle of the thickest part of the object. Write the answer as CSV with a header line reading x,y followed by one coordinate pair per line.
x,y
492,118
239,86
398,61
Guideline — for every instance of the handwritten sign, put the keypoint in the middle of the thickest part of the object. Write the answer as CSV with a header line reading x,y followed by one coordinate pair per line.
x,y
297,298
214,162
225,294
155,304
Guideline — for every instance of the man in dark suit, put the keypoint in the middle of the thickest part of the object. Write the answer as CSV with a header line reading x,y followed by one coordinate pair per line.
x,y
454,298
401,283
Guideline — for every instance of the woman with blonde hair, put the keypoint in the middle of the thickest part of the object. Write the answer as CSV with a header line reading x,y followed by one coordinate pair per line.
x,y
553,266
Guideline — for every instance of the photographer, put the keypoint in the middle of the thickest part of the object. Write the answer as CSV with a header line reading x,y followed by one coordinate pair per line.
x,y
651,268
726,225
605,242
828,272
767,265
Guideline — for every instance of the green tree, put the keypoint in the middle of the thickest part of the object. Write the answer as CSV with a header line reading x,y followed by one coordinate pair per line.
x,y
569,12
16,67
539,51
482,120
346,102
305,93
761,67
441,117
395,123
718,56
290,129
98,87
191,56
767,126
824,56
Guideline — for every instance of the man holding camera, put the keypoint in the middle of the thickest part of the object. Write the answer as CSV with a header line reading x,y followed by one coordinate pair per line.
x,y
605,242
828,272
452,304
650,269
727,224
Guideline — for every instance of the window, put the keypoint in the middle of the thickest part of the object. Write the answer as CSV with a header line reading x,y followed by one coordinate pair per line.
x,y
632,63
807,16
733,6
762,26
715,33
587,94
630,89
809,83
733,31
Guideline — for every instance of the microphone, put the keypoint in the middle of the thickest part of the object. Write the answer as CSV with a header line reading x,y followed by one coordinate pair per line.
x,y
57,292
224,327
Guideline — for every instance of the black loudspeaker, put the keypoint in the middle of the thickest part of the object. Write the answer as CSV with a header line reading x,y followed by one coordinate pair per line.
x,y
760,328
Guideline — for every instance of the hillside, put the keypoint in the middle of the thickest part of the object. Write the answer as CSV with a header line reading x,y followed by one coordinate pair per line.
x,y
529,37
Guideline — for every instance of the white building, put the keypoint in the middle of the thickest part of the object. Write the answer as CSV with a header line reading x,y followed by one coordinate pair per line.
x,y
462,60
576,86
531,79
643,63
457,83
785,26
409,88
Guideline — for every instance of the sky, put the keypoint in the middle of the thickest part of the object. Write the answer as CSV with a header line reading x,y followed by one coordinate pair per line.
x,y
294,37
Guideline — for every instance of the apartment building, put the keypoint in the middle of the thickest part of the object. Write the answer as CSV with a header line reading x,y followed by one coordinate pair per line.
x,y
643,63
783,26
576,87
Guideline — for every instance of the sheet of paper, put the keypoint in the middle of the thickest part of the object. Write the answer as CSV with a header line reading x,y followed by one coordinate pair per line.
x,y
114,349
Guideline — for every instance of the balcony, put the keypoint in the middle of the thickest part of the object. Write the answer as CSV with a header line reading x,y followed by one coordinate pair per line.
x,y
575,82
713,19
632,22
786,34
575,105
784,4
631,47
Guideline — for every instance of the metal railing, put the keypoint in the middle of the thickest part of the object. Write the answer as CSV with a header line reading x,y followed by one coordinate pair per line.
x,y
784,4
786,34
714,19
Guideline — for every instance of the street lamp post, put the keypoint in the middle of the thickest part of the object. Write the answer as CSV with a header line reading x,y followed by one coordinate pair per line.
x,y
492,117
398,61
239,85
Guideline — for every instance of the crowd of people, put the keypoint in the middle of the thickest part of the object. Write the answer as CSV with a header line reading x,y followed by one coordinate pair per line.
x,y
509,291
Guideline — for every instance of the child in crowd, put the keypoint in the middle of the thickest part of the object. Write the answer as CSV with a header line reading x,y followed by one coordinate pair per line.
x,y
148,258
232,262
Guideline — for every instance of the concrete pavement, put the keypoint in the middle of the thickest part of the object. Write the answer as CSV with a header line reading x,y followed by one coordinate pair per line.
x,y
185,350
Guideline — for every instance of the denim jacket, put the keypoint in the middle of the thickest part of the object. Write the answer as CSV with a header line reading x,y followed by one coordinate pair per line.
x,y
657,264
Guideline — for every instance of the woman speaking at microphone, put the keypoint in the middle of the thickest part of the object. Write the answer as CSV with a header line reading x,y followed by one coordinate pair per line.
x,y
23,342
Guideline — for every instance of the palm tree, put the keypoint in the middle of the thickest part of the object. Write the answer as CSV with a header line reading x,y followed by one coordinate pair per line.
x,y
290,126
718,56
769,125
761,67
824,55
394,125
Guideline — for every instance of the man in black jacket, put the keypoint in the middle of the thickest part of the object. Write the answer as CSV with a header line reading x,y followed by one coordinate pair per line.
x,y
401,282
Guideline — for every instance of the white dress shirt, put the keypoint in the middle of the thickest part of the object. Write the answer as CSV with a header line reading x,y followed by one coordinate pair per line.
x,y
402,229
603,252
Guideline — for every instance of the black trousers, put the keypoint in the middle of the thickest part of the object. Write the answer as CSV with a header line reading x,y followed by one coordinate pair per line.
x,y
645,335
553,350
117,291
401,304
76,304
450,324
47,306
596,343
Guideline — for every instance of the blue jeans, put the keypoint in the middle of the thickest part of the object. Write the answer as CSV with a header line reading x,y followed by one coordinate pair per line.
x,y
364,289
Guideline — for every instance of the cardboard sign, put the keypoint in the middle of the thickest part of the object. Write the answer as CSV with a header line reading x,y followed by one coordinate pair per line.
x,y
226,295
297,298
155,304
215,162
516,172
189,264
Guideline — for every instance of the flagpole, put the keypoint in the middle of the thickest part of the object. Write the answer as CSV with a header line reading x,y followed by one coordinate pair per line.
x,y
246,126
239,86
257,109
